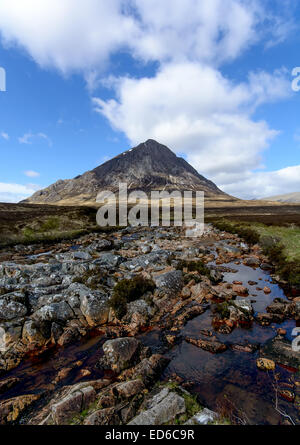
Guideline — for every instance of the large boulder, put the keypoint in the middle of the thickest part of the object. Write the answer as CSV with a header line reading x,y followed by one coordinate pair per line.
x,y
120,353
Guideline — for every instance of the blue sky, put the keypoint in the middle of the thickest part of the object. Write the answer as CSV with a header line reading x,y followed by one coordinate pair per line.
x,y
87,80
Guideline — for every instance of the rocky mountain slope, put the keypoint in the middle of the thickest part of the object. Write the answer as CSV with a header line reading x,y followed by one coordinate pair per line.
x,y
149,166
288,198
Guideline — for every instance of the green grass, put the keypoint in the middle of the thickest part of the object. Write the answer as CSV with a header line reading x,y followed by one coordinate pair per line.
x,y
289,238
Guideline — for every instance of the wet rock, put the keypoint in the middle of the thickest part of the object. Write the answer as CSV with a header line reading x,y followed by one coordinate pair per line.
x,y
267,319
148,370
214,347
281,351
163,409
69,335
267,290
120,353
32,334
10,410
240,290
252,262
204,417
265,364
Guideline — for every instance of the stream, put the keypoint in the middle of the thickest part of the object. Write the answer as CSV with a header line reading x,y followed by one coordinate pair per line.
x,y
226,381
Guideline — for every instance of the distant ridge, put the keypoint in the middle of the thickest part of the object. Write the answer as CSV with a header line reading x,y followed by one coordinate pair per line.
x,y
149,166
293,198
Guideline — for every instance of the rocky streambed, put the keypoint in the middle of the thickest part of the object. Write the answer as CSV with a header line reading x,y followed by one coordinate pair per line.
x,y
210,342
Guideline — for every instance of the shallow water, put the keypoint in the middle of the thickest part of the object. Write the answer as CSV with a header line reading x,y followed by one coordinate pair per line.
x,y
226,382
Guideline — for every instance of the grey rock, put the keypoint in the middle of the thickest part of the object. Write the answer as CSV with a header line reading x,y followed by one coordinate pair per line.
x,y
170,282
10,310
54,312
204,417
81,255
120,352
95,308
165,411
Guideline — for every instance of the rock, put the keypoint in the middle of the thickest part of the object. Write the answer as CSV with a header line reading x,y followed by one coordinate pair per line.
x,y
95,308
185,293
252,262
109,260
281,332
120,353
139,307
165,411
267,290
244,305
265,364
150,259
146,249
10,410
106,416
204,417
281,351
81,255
170,282
69,335
267,319
148,370
129,389
31,334
211,346
54,312
9,309
74,403
240,290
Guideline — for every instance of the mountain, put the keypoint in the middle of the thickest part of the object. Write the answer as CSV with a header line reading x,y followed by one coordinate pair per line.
x,y
292,198
149,166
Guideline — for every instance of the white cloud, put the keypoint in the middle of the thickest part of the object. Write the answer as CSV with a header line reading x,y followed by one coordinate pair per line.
x,y
266,184
31,174
194,110
29,138
5,135
188,104
83,34
16,192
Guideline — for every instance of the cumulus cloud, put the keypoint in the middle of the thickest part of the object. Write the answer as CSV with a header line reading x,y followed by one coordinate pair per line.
x,y
31,174
198,112
16,192
29,138
83,34
188,104
266,184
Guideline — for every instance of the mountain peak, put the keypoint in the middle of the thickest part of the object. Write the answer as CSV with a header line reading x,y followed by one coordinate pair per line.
x,y
148,166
